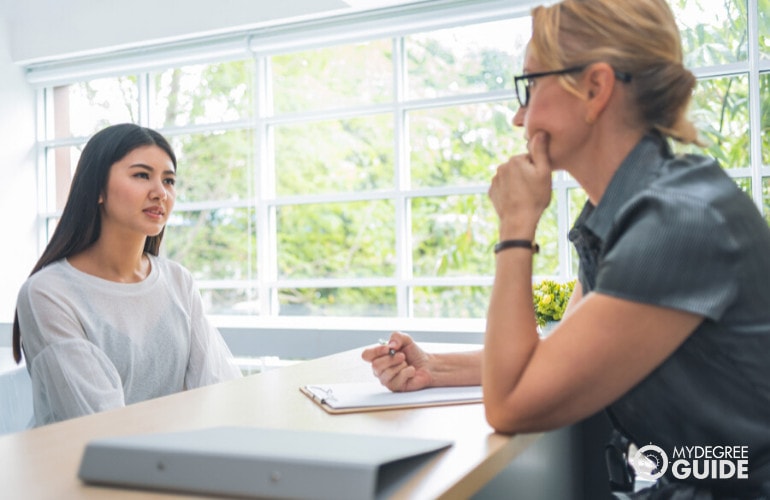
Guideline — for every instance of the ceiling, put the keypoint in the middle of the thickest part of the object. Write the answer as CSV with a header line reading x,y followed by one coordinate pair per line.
x,y
41,30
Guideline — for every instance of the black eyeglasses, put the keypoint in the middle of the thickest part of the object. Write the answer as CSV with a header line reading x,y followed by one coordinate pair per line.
x,y
524,82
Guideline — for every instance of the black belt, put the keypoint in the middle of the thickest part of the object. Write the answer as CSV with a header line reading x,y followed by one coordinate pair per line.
x,y
621,474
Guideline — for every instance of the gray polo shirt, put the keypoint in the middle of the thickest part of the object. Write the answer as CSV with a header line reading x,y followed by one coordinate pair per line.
x,y
676,232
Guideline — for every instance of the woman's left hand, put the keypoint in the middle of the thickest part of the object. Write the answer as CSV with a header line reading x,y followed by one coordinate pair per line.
x,y
521,190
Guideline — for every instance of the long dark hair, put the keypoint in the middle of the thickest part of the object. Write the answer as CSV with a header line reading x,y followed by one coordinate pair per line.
x,y
80,224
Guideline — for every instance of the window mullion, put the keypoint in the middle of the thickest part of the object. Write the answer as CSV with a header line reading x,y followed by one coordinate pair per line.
x,y
562,224
264,174
755,126
402,181
144,94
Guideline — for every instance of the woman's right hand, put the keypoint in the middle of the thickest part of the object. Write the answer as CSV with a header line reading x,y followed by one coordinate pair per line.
x,y
408,369
521,190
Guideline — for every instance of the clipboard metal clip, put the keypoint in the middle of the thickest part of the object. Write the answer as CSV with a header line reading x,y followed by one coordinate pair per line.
x,y
324,394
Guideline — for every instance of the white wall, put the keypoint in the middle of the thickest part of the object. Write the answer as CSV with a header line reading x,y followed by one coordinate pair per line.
x,y
18,203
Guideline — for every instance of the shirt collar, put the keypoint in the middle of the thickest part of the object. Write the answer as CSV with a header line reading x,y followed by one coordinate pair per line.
x,y
632,176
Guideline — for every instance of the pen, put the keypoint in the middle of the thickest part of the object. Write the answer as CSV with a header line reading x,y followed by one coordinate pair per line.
x,y
391,351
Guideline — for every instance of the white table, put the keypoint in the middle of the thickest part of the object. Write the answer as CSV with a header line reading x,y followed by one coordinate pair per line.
x,y
42,463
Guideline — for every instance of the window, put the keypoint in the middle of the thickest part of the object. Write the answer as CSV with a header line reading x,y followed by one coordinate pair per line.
x,y
731,103
348,176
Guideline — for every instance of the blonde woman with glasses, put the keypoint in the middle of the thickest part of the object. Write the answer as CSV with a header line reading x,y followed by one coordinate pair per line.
x,y
668,329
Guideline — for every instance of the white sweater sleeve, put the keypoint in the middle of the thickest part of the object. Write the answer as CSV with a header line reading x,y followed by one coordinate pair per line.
x,y
72,378
210,359
70,375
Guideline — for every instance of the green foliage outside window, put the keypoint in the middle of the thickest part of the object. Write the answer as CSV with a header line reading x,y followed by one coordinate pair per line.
x,y
335,156
333,77
333,120
336,240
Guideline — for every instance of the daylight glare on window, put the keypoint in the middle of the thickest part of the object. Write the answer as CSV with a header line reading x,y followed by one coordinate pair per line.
x,y
350,178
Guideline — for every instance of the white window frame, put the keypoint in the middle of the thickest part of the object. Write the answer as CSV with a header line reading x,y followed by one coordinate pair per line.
x,y
391,23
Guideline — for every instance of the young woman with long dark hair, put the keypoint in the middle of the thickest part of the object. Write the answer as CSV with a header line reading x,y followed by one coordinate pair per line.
x,y
103,321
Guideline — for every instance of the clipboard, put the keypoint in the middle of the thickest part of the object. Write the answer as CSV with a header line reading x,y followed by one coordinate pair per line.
x,y
353,397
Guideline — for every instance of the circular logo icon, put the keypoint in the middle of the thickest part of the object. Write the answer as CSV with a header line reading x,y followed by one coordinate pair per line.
x,y
650,462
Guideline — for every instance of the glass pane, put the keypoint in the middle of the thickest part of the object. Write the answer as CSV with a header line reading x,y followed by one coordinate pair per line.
x,y
214,166
720,111
461,145
50,227
451,302
744,183
337,240
61,164
374,301
453,236
476,58
763,6
334,156
230,301
213,244
764,114
84,108
204,93
766,198
546,263
577,200
333,77
713,31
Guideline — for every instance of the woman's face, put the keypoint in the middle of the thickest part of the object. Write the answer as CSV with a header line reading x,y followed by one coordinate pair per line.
x,y
554,110
140,192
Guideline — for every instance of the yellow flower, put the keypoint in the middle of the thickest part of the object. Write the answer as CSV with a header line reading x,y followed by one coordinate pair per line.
x,y
550,299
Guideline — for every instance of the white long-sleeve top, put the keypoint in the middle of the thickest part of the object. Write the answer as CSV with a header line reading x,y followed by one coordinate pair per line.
x,y
91,344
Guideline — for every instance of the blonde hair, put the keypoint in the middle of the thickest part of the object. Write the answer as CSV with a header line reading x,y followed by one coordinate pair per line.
x,y
638,37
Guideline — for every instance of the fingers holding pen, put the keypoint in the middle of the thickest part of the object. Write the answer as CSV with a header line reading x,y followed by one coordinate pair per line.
x,y
387,362
391,346
382,349
398,342
397,363
384,355
396,377
392,371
